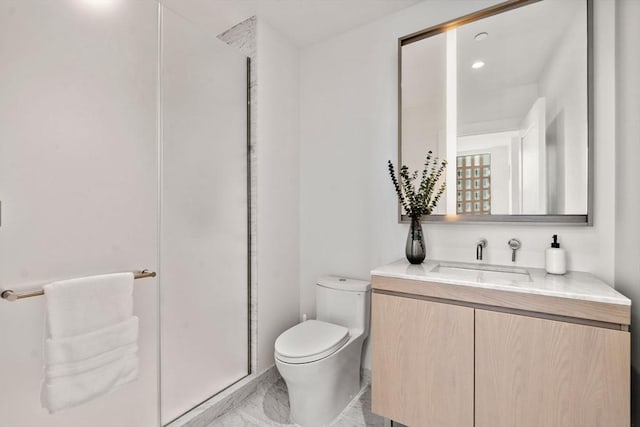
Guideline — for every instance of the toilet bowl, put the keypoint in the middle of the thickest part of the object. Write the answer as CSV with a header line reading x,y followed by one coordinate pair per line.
x,y
320,359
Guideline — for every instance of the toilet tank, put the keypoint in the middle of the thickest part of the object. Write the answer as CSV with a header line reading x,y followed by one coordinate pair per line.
x,y
344,302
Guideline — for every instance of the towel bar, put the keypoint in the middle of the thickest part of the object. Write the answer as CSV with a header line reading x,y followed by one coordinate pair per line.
x,y
9,295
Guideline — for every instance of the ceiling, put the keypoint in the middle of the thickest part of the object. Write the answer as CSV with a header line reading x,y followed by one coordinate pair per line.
x,y
304,22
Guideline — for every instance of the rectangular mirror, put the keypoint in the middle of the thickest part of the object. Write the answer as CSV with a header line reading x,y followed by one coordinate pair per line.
x,y
504,95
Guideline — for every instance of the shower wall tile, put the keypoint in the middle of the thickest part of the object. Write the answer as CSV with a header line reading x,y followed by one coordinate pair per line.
x,y
274,157
243,37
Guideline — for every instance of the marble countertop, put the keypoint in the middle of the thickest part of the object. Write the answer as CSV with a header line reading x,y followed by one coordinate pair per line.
x,y
574,284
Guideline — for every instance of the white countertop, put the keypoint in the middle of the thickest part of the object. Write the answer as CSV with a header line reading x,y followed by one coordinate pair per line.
x,y
574,284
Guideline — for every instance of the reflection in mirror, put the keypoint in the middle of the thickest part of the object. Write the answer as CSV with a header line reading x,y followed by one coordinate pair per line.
x,y
425,70
505,99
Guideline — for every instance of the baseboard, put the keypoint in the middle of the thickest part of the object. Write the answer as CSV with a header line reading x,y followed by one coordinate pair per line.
x,y
204,414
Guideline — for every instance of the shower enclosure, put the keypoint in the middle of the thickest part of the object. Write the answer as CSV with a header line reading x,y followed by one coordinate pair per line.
x,y
123,145
204,229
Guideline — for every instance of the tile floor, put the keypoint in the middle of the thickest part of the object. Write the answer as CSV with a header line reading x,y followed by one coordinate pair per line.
x,y
269,406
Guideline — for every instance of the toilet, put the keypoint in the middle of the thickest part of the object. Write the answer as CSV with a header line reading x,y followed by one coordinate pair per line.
x,y
320,359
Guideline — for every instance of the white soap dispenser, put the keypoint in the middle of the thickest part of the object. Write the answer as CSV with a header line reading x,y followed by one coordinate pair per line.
x,y
555,258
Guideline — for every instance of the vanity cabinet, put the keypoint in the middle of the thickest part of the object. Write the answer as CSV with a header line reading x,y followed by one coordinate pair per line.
x,y
533,372
423,361
455,356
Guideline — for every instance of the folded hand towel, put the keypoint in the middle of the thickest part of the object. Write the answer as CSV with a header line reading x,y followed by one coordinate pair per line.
x,y
73,390
92,348
83,305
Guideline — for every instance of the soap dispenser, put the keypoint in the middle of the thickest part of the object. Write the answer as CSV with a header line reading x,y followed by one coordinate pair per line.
x,y
555,258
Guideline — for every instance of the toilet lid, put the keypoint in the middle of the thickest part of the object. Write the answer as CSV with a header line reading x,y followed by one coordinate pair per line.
x,y
310,340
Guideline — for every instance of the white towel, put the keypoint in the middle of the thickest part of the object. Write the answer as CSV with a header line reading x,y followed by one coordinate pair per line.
x,y
83,305
92,345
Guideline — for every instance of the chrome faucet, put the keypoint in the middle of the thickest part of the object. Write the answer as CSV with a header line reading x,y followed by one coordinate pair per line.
x,y
480,244
514,244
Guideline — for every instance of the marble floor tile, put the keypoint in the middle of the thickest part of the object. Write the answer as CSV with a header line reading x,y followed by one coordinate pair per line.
x,y
269,406
358,413
236,419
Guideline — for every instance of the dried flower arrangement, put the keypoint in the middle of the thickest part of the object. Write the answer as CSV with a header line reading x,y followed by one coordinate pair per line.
x,y
424,199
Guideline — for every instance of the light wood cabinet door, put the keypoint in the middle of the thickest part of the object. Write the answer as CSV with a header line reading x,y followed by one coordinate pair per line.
x,y
422,368
534,372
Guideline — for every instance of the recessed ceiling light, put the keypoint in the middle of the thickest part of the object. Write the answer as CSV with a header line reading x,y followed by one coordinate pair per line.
x,y
481,36
477,65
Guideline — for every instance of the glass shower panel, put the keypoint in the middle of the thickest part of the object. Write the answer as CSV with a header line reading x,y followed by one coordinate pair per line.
x,y
204,233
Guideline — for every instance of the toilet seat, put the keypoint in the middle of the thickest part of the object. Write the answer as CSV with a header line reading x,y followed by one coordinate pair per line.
x,y
310,341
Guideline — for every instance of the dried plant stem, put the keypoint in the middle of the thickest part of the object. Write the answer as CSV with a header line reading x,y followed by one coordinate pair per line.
x,y
421,200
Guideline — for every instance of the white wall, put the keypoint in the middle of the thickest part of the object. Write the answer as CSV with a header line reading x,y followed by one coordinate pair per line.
x,y
348,131
78,185
278,189
627,267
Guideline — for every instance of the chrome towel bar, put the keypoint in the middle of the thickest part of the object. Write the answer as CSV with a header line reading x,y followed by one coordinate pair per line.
x,y
9,295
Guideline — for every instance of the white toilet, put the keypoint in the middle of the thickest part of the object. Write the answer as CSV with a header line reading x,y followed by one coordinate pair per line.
x,y
320,359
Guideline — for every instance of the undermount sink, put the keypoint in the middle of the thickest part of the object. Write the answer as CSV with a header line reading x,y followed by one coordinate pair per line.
x,y
482,273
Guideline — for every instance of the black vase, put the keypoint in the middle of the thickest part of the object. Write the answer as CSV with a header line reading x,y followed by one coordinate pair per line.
x,y
416,249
